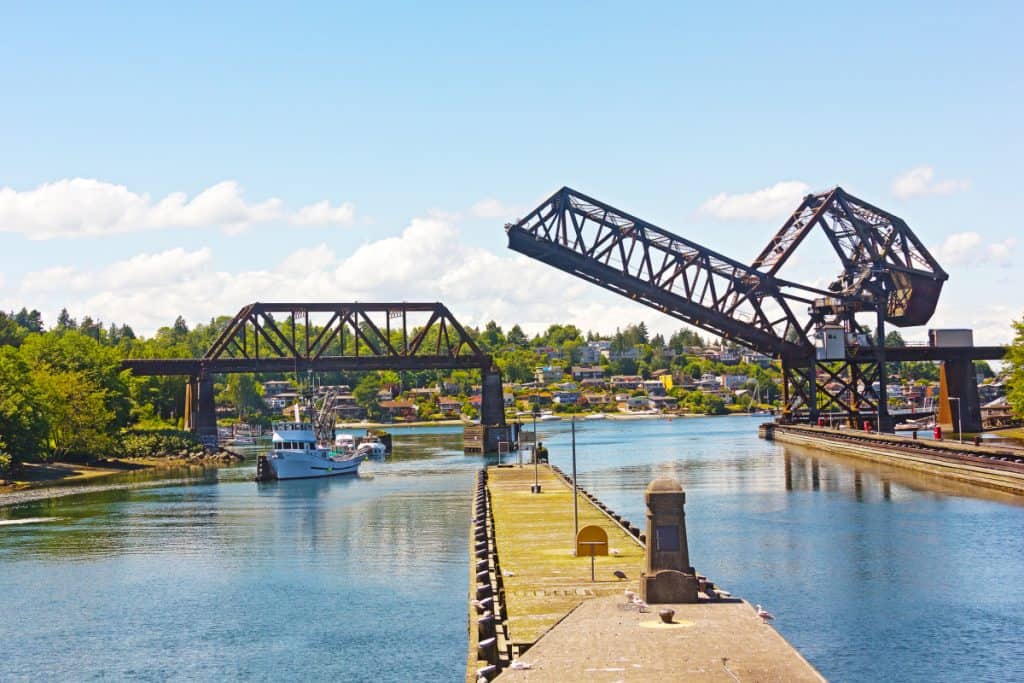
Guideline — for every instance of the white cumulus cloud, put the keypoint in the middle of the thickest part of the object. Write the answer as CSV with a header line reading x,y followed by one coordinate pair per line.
x,y
492,208
779,200
920,182
322,213
85,207
427,261
969,248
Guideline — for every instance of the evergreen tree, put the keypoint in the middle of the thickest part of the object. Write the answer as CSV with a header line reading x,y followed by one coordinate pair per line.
x,y
65,321
516,337
30,320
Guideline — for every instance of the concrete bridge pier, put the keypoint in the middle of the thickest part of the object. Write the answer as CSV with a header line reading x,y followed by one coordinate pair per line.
x,y
200,411
493,429
958,396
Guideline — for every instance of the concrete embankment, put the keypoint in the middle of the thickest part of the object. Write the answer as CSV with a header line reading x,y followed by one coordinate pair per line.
x,y
992,467
537,613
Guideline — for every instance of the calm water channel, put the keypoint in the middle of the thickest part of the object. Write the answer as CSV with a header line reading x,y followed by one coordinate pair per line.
x,y
873,574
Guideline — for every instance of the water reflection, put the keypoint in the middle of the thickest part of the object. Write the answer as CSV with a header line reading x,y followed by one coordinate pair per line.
x,y
875,573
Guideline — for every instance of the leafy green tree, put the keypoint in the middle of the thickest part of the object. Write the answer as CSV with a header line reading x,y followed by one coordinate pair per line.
x,y
78,416
517,365
516,337
984,369
23,418
492,336
1015,361
73,352
365,392
894,338
11,333
243,392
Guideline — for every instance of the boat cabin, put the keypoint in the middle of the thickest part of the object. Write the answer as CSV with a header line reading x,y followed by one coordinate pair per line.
x,y
293,436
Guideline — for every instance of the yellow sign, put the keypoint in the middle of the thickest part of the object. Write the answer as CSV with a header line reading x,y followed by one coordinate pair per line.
x,y
591,540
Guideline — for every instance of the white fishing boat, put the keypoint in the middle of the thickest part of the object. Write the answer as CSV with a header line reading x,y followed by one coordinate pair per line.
x,y
295,454
548,416
595,416
345,443
372,447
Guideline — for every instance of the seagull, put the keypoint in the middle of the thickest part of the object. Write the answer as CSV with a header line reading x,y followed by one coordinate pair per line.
x,y
520,665
620,575
641,606
614,551
507,573
630,595
764,614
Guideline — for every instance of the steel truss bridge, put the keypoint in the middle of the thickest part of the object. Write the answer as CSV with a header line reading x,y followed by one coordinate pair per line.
x,y
323,337
886,271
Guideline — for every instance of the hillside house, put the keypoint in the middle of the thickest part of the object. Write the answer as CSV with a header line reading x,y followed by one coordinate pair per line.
x,y
398,409
734,381
582,372
653,387
625,382
548,374
565,398
637,403
449,406
664,402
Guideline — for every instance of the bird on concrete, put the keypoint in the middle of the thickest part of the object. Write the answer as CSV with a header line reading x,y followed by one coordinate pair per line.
x,y
764,614
641,606
619,574
629,595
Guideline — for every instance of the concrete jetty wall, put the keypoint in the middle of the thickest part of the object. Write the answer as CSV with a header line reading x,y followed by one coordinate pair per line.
x,y
553,620
993,467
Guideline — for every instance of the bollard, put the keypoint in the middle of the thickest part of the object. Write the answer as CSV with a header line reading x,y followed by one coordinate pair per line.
x,y
487,673
867,426
485,626
915,435
977,439
487,650
484,591
937,432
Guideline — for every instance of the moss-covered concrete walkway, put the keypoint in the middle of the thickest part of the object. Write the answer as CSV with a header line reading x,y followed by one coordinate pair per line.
x,y
544,580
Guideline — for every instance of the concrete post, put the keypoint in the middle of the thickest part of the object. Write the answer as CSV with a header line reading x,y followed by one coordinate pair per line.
x,y
668,576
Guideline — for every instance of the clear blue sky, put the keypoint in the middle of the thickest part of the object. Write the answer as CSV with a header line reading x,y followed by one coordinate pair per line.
x,y
403,108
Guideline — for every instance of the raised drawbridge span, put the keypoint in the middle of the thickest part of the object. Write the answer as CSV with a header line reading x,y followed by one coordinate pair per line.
x,y
321,337
886,271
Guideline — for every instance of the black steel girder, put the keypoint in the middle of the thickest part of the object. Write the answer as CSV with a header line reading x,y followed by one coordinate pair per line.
x,y
629,256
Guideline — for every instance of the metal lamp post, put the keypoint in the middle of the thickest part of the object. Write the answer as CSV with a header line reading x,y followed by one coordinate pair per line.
x,y
536,475
575,501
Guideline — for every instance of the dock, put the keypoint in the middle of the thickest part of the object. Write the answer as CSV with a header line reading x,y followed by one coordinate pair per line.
x,y
549,621
999,468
